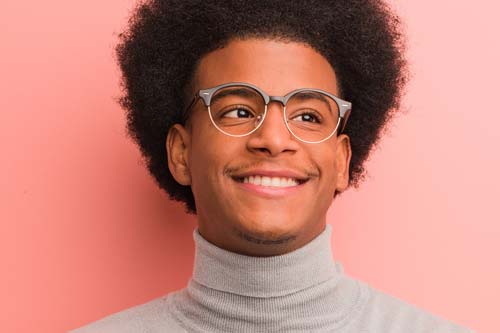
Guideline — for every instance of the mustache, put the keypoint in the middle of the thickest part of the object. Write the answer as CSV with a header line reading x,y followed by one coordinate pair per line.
x,y
309,171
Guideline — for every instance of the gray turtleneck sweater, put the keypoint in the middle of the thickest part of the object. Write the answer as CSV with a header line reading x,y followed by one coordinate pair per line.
x,y
301,291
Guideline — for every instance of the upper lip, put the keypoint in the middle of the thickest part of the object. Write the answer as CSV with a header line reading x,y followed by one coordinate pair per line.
x,y
283,173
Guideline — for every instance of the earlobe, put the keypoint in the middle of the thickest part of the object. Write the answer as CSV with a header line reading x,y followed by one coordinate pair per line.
x,y
343,159
177,146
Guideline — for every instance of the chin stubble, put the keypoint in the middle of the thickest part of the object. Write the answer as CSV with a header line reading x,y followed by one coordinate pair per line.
x,y
267,240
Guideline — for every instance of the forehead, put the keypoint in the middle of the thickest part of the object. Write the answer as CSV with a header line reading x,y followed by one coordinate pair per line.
x,y
275,66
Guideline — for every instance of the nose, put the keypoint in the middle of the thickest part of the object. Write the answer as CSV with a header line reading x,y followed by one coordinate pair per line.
x,y
272,137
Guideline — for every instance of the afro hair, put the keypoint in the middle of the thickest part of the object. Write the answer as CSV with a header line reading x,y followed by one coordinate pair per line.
x,y
165,39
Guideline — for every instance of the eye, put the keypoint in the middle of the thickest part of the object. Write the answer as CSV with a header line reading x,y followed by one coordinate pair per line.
x,y
307,117
238,113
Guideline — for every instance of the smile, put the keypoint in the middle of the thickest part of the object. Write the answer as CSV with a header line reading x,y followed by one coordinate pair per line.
x,y
270,186
270,181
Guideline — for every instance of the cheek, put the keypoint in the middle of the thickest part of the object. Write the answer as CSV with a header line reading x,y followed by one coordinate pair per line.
x,y
203,159
210,152
202,174
328,169
203,143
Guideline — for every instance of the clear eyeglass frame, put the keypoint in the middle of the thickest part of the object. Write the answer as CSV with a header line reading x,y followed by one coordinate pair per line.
x,y
206,96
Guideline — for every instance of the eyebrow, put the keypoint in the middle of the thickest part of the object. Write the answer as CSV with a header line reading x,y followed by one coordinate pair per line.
x,y
313,95
241,92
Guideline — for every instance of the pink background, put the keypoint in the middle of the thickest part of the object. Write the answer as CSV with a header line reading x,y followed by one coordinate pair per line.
x,y
85,232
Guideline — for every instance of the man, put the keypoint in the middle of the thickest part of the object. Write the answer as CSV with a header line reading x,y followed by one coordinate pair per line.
x,y
256,115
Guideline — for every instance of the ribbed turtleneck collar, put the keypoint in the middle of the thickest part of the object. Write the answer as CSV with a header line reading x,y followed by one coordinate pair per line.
x,y
227,271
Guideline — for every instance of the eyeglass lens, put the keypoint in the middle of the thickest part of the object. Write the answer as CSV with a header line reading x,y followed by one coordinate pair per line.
x,y
310,115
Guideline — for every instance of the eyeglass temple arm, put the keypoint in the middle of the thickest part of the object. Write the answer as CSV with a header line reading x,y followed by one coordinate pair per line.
x,y
185,114
344,117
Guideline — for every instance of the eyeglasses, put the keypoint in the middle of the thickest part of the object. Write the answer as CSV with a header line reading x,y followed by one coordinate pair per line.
x,y
238,109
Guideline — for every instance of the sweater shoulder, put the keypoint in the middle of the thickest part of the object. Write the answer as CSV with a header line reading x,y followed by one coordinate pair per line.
x,y
151,317
386,313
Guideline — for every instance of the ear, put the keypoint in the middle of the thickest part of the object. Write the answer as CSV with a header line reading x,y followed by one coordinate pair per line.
x,y
342,160
178,144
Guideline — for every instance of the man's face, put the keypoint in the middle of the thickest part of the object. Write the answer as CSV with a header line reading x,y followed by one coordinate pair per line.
x,y
254,219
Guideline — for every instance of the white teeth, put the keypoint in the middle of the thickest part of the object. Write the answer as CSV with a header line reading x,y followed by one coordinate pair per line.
x,y
271,181
275,181
266,181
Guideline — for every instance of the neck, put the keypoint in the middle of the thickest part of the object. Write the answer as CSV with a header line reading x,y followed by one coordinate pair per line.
x,y
300,291
224,270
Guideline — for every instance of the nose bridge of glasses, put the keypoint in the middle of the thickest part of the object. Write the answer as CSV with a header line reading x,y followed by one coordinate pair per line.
x,y
278,117
279,99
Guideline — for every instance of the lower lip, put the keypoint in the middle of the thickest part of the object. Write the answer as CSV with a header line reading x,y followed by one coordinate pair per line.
x,y
269,191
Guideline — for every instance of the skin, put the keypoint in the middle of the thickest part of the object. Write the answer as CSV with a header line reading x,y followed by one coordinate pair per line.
x,y
199,155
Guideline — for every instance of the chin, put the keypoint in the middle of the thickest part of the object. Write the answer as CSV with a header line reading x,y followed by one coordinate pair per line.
x,y
270,228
